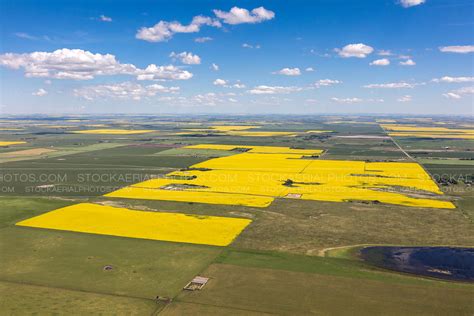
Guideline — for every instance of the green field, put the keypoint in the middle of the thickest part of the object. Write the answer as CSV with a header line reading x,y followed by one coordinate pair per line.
x,y
286,292
76,261
22,299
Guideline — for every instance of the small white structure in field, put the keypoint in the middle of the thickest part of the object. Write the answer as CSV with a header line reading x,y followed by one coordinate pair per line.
x,y
293,196
196,284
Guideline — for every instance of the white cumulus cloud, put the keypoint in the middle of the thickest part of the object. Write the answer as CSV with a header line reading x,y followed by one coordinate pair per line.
x,y
463,49
66,64
263,89
227,84
392,85
163,30
220,82
170,72
380,62
238,85
203,39
186,58
239,15
77,64
411,3
326,83
104,18
451,95
408,62
288,72
459,93
215,67
448,79
309,69
346,100
405,98
125,90
40,92
383,52
355,50
247,45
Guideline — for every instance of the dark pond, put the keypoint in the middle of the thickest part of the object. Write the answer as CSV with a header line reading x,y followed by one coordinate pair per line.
x,y
448,263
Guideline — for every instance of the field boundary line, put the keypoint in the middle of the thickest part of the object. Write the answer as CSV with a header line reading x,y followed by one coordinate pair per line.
x,y
399,147
227,307
75,290
414,160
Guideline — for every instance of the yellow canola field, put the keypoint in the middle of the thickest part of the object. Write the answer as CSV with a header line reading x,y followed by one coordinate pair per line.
x,y
427,132
227,128
433,135
114,131
350,122
273,163
8,143
58,126
259,149
259,134
240,130
174,227
256,179
317,132
413,128
221,198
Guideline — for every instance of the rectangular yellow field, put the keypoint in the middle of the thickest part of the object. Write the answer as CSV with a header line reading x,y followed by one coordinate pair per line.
x,y
407,130
432,135
259,134
59,126
226,128
413,128
259,149
123,222
8,143
114,131
241,130
219,197
317,132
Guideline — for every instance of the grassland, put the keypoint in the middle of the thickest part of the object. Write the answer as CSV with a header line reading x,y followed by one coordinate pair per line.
x,y
140,268
289,293
23,299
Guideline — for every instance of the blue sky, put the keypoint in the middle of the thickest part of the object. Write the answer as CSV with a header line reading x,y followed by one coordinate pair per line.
x,y
327,56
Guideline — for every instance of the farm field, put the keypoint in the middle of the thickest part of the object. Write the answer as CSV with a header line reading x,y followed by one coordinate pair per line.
x,y
113,221
91,222
9,143
259,173
113,131
287,292
30,299
408,130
